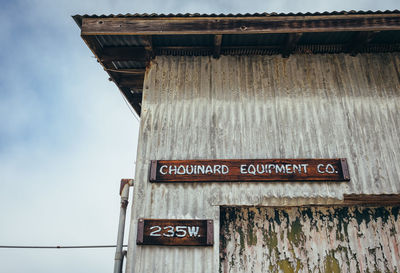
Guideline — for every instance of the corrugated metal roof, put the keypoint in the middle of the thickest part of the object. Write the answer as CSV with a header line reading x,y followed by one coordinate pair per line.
x,y
327,38
120,40
183,40
253,39
78,18
128,64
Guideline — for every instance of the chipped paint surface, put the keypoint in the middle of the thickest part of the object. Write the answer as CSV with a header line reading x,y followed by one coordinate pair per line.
x,y
310,239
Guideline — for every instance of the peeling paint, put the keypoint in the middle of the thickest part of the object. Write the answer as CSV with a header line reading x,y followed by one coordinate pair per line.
x,y
331,264
310,239
295,234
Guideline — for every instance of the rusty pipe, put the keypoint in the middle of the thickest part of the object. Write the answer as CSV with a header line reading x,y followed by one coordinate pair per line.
x,y
124,193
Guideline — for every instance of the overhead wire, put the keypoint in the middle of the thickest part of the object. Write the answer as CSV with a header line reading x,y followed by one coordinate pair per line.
x,y
59,247
127,104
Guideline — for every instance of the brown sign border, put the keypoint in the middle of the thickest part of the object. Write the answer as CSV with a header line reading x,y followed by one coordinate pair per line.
x,y
341,175
144,240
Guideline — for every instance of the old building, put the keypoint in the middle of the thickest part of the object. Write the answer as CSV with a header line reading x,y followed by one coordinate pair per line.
x,y
310,91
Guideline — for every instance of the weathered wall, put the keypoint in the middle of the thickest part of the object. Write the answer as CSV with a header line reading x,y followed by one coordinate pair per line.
x,y
306,106
313,239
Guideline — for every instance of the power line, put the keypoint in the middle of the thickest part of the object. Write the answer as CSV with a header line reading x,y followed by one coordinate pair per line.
x,y
127,104
59,247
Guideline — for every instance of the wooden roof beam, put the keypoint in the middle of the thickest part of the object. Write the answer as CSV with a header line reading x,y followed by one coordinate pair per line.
x,y
130,71
97,50
123,54
217,45
136,76
134,82
291,41
148,41
360,40
134,99
239,25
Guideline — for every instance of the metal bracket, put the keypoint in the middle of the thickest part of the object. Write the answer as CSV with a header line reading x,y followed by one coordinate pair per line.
x,y
153,171
139,239
210,232
345,169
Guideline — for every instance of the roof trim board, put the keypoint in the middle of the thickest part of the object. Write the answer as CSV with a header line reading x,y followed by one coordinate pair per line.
x,y
239,25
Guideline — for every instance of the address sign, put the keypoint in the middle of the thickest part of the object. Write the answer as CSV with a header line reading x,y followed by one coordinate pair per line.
x,y
246,170
175,232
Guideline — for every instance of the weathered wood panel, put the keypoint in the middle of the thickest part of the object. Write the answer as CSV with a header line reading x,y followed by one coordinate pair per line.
x,y
175,232
240,25
313,239
249,170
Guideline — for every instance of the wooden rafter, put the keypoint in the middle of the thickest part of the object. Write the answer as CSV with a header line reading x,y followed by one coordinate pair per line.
x,y
290,43
134,82
134,99
360,40
105,57
130,71
123,54
217,45
148,41
239,25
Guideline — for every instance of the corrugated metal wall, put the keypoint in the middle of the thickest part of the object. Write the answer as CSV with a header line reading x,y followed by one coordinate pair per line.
x,y
313,239
305,106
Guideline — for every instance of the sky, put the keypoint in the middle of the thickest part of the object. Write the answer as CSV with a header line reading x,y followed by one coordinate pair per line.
x,y
67,136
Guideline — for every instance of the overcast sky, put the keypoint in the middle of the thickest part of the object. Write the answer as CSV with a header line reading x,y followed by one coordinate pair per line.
x,y
66,135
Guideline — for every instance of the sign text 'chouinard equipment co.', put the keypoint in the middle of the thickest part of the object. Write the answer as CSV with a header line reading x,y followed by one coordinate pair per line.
x,y
242,170
174,232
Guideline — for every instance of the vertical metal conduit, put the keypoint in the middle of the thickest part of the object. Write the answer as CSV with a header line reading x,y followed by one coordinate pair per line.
x,y
119,254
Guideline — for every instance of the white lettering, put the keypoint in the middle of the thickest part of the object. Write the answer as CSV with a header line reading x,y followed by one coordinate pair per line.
x,y
258,170
329,168
181,169
251,169
209,169
193,231
296,168
270,166
280,169
243,169
225,169
161,169
170,231
318,168
305,167
200,168
217,169
181,229
289,168
191,169
172,170
155,232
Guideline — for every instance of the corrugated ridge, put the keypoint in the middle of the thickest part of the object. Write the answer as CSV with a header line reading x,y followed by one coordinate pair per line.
x,y
78,17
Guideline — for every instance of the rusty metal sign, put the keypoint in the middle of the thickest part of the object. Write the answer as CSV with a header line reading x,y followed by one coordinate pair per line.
x,y
177,232
247,170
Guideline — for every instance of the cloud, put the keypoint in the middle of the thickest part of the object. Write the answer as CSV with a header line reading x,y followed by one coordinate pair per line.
x,y
66,135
